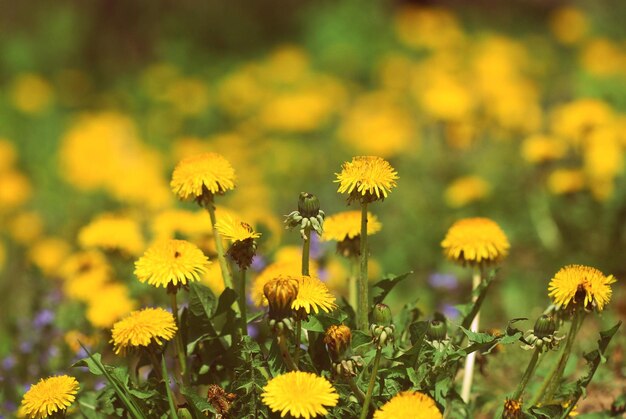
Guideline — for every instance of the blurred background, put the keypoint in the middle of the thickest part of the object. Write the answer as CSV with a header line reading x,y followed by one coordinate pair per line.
x,y
509,110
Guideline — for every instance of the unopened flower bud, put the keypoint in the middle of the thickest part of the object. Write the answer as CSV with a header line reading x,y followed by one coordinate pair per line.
x,y
280,293
308,205
512,409
437,330
381,314
337,339
544,326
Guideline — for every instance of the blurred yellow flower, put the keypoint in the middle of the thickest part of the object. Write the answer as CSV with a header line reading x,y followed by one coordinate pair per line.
x,y
299,394
367,178
213,279
602,57
26,227
31,93
48,254
588,284
428,27
409,405
110,303
189,95
347,225
475,241
84,274
573,121
113,232
446,98
170,223
8,155
466,190
566,181
540,148
73,339
313,295
207,171
171,262
603,161
15,190
569,24
143,328
50,397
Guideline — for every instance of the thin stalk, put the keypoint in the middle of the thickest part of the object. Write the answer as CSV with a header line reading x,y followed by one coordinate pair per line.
x,y
156,365
168,390
219,248
180,348
530,369
555,378
358,392
306,250
352,282
242,303
282,345
370,387
468,375
296,354
363,300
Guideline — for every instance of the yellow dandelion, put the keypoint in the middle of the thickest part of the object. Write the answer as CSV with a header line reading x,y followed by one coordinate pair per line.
x,y
347,225
539,149
142,328
284,266
465,190
210,171
314,295
234,230
113,232
15,190
578,281
49,396
171,262
368,178
213,279
84,273
475,241
409,405
48,254
299,394
108,304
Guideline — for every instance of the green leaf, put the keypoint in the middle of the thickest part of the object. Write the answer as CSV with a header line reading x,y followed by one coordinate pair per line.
x,y
478,337
385,285
201,300
198,403
226,300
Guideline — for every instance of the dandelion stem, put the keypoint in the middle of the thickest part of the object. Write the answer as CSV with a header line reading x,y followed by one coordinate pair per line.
x,y
530,369
306,250
370,387
363,300
358,393
180,347
352,291
219,248
296,354
282,345
551,385
242,303
468,375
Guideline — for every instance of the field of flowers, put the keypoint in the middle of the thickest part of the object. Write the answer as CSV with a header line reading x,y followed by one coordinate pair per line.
x,y
326,209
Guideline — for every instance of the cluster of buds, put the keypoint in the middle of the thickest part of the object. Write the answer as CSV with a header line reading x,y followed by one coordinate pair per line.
x,y
337,340
308,217
437,334
512,409
280,293
381,328
543,335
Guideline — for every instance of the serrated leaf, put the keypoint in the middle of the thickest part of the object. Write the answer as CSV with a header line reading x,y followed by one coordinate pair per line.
x,y
201,300
385,285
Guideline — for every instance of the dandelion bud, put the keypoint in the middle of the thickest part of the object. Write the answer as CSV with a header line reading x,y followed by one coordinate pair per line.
x,y
437,330
308,205
381,314
544,326
337,338
280,293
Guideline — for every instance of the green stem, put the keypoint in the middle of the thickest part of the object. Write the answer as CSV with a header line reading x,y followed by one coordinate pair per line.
x,y
352,290
156,365
363,300
358,392
370,387
555,378
306,250
530,369
243,308
468,376
180,347
296,355
219,248
282,345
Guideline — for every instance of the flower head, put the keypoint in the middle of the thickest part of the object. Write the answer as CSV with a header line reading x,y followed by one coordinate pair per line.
x,y
280,293
113,232
171,262
142,328
347,225
234,230
409,405
313,295
207,171
300,394
337,339
580,284
366,178
50,395
475,241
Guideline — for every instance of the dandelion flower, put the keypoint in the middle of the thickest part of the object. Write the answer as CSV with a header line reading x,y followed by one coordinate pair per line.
x,y
113,232
210,171
142,328
49,396
108,304
284,266
367,178
313,295
299,394
475,241
466,190
171,262
578,281
235,230
409,405
347,225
